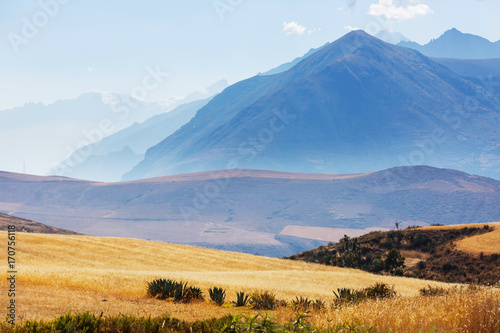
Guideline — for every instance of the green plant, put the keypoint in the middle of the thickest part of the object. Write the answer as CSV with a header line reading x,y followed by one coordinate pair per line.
x,y
433,291
217,295
241,299
301,323
421,264
345,296
319,305
195,293
162,288
302,303
263,301
379,290
394,262
181,293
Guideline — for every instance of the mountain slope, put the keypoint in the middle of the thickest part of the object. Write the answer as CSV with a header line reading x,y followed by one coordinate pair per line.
x,y
433,253
23,225
249,210
116,154
356,105
455,44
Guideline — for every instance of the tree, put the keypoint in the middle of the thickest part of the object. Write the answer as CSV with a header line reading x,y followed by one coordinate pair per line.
x,y
351,253
394,262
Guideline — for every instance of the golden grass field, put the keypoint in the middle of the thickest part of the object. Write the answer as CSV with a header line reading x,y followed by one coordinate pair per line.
x,y
487,243
60,274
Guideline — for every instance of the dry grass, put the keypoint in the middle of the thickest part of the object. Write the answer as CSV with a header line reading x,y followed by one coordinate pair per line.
x,y
487,243
466,311
78,272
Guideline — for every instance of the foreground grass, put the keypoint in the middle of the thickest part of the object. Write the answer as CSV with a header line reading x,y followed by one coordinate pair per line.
x,y
75,274
460,311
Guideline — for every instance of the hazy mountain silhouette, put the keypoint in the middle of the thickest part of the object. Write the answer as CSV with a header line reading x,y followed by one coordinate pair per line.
x,y
358,104
455,44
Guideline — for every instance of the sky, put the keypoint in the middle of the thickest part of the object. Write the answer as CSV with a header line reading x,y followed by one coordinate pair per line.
x,y
59,49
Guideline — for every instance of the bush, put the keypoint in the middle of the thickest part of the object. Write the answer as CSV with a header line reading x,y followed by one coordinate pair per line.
x,y
241,299
394,262
162,288
346,296
379,290
319,305
302,304
195,293
433,291
263,301
217,295
448,267
179,291
377,266
421,264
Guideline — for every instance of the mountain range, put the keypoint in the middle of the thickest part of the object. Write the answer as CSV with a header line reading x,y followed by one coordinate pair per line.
x,y
455,44
116,154
41,136
356,105
253,211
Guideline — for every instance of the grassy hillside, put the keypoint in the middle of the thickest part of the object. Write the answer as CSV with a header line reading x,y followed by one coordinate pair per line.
x,y
61,274
24,225
461,253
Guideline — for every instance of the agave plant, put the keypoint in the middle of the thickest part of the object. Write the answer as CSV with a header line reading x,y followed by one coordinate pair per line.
x,y
217,295
195,293
302,303
181,291
241,299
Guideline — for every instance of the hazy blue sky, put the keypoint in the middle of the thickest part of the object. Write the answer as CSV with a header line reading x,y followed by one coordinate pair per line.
x,y
56,49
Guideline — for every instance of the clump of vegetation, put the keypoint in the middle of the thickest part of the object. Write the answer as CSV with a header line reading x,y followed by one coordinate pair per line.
x,y
319,305
301,304
433,291
179,291
394,263
346,296
263,301
241,299
217,295
438,258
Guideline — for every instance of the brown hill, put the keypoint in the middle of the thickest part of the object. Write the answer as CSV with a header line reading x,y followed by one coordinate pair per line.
x,y
24,225
463,254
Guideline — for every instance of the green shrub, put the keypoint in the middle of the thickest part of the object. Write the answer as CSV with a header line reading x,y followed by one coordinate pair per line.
x,y
195,293
302,304
346,296
379,290
241,299
162,288
319,305
217,295
178,291
394,262
263,301
433,291
421,264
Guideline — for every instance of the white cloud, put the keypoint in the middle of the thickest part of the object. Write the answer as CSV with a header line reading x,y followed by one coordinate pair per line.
x,y
388,9
351,28
293,28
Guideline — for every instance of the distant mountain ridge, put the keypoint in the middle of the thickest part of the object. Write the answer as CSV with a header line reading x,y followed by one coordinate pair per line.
x,y
116,154
455,44
355,103
249,210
